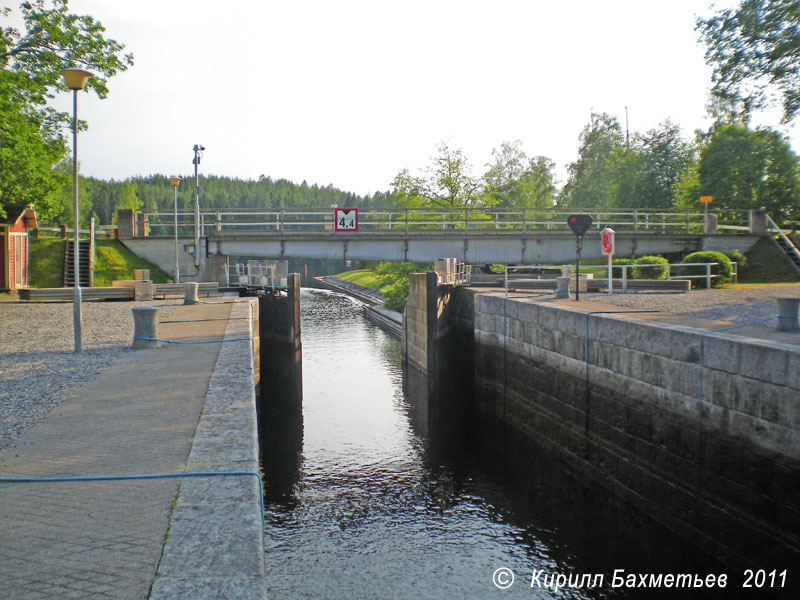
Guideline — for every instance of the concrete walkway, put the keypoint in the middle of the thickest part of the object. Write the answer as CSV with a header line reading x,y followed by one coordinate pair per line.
x,y
139,416
763,331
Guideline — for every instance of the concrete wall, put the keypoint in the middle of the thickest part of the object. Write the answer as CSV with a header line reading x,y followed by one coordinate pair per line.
x,y
215,547
700,432
161,252
437,345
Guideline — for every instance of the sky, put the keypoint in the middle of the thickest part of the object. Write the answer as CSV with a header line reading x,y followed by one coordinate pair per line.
x,y
348,92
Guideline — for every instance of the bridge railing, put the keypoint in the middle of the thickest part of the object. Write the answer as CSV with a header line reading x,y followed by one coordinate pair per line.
x,y
422,220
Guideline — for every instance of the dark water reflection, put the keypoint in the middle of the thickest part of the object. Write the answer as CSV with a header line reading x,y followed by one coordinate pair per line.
x,y
361,506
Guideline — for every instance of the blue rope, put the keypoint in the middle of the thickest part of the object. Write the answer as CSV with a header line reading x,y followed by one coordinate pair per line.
x,y
149,339
151,476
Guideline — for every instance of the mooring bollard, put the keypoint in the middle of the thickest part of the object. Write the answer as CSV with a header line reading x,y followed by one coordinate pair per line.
x,y
144,327
562,287
190,293
787,314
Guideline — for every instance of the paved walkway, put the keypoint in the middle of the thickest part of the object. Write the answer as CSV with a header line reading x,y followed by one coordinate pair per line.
x,y
138,416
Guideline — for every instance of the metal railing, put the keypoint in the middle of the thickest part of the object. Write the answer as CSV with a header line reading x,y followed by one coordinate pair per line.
x,y
788,244
271,274
673,272
422,220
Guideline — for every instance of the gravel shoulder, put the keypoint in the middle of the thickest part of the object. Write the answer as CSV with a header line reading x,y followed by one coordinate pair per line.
x,y
38,368
739,306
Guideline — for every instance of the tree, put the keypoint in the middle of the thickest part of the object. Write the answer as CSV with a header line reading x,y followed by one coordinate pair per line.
x,y
446,183
127,196
589,181
745,169
665,157
515,180
753,49
26,160
613,173
30,65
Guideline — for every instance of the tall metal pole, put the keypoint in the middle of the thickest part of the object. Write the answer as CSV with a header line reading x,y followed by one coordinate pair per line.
x,y
174,181
578,269
76,299
196,161
75,80
627,133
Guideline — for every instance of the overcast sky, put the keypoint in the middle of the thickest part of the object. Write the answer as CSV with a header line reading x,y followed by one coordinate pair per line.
x,y
348,92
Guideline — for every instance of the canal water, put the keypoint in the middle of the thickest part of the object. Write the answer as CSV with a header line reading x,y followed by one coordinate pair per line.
x,y
360,505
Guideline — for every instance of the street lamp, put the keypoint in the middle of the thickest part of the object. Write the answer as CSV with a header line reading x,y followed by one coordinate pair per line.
x,y
174,181
76,80
198,154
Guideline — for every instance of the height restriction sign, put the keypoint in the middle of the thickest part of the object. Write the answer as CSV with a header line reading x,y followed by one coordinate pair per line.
x,y
345,219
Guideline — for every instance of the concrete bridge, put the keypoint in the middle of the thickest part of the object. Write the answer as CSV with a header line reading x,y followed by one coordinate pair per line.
x,y
474,236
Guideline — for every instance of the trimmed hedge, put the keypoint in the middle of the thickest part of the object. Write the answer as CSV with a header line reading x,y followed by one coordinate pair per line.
x,y
616,273
723,268
654,272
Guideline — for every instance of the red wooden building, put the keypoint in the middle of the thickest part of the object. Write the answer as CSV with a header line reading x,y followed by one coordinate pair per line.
x,y
14,250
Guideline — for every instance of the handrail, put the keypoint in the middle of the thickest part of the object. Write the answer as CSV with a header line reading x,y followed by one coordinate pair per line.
x,y
468,220
708,276
772,226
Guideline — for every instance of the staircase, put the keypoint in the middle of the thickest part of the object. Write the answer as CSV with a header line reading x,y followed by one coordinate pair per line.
x,y
86,266
790,250
786,245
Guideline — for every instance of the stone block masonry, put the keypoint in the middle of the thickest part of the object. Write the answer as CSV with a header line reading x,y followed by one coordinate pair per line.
x,y
700,430
215,544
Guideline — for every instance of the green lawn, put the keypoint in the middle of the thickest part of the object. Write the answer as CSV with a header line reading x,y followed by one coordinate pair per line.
x,y
363,277
46,269
112,261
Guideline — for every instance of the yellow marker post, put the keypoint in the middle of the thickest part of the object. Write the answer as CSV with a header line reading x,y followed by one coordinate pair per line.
x,y
705,201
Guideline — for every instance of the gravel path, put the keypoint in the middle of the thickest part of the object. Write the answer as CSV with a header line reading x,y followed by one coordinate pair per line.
x,y
736,305
38,367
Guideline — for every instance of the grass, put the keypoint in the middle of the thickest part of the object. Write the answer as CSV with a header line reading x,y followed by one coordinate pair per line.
x,y
112,262
46,269
766,264
363,277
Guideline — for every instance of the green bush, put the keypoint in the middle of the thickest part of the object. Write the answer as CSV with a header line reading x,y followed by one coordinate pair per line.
x,y
617,273
395,296
739,258
389,272
660,271
723,268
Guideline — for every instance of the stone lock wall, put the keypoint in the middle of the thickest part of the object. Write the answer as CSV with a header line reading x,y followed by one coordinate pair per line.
x,y
437,343
702,432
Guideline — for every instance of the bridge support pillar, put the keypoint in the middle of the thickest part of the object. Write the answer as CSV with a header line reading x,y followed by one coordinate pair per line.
x,y
758,222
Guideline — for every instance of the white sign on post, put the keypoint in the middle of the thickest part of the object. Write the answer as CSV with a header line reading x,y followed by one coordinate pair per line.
x,y
607,243
345,219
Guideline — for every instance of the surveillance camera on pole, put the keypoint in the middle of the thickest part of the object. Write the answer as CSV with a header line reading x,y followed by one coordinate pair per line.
x,y
580,225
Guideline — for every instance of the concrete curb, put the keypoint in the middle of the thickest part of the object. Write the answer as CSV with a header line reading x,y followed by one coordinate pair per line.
x,y
215,543
390,320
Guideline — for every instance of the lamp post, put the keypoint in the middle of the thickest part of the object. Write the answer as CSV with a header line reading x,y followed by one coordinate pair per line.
x,y
76,80
174,181
198,154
